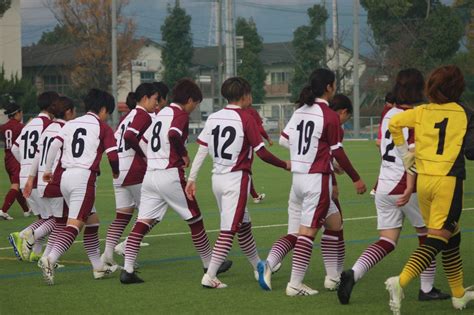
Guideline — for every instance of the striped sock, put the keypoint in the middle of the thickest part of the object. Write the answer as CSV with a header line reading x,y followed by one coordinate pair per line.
x,y
220,252
280,249
63,242
33,226
60,225
115,231
91,245
301,259
201,242
38,246
247,244
140,229
333,251
452,264
421,259
45,229
371,256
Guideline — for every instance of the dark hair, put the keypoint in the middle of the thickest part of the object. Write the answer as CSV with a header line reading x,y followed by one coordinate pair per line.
x,y
11,109
46,99
306,97
233,89
390,98
162,89
144,89
320,79
61,106
340,102
445,84
184,90
96,99
408,87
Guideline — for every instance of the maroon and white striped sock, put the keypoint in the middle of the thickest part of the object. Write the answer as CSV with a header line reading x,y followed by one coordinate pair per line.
x,y
60,225
201,242
45,229
372,255
63,242
280,249
140,229
333,250
38,246
91,245
115,231
427,277
33,226
301,258
247,244
220,252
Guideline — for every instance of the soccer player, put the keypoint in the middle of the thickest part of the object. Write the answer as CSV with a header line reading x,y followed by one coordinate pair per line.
x,y
444,132
390,102
162,99
50,193
229,136
25,149
8,133
313,138
83,141
394,199
127,186
257,198
164,180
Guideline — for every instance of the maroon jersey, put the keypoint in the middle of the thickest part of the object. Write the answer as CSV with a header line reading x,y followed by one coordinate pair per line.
x,y
385,110
253,112
8,133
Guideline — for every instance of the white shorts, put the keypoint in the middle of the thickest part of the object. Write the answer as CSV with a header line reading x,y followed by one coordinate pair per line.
x,y
163,188
38,205
389,216
56,206
231,191
78,189
127,196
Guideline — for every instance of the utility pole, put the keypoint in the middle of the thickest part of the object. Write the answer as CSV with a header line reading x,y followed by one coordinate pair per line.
x,y
335,39
355,60
219,51
323,36
229,40
114,61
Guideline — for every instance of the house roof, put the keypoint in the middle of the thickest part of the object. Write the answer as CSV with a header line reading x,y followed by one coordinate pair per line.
x,y
48,55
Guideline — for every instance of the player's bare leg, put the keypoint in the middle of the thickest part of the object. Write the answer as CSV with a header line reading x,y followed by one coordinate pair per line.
x,y
333,250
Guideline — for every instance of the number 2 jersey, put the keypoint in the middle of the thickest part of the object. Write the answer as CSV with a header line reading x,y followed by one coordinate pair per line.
x,y
392,176
8,133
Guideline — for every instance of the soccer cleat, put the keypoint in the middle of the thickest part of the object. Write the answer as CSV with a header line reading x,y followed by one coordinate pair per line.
x,y
27,213
372,193
16,243
461,303
302,290
259,199
223,267
34,257
119,249
393,287
56,265
105,271
331,284
345,286
264,275
5,216
212,283
27,245
434,294
48,270
109,261
130,277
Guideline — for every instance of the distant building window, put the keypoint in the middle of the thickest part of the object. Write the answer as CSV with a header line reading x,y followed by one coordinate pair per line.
x,y
55,82
280,77
147,77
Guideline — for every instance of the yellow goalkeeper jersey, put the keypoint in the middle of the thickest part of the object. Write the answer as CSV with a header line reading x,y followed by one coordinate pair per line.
x,y
444,133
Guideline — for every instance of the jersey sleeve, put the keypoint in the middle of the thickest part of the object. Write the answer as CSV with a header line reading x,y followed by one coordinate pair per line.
x,y
400,121
180,123
140,123
251,132
175,134
469,137
204,136
108,140
333,131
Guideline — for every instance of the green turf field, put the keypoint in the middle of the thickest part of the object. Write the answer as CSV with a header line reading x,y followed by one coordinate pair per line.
x,y
172,270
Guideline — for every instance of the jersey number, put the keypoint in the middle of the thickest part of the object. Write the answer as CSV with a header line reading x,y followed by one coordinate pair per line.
x,y
8,139
155,137
229,133
442,135
386,156
305,135
78,143
31,147
46,145
123,145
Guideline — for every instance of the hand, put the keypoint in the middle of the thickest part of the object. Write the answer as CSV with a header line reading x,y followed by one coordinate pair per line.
x,y
337,168
288,165
28,188
186,161
335,193
270,142
190,189
115,175
408,158
360,187
403,200
47,177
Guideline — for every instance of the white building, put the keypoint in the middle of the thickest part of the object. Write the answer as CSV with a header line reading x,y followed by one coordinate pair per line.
x,y
10,40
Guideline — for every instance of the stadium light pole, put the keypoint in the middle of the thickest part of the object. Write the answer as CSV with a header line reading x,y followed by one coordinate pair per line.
x,y
114,60
355,60
229,40
219,51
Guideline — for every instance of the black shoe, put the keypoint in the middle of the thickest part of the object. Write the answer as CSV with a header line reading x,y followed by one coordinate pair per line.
x,y
433,295
345,286
223,268
129,278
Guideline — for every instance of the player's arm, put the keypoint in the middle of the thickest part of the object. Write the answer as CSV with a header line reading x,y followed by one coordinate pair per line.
x,y
110,146
175,136
16,151
399,121
52,152
32,175
132,135
405,197
201,154
469,139
284,140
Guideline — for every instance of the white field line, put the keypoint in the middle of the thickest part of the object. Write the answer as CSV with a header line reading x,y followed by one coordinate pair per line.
x,y
253,227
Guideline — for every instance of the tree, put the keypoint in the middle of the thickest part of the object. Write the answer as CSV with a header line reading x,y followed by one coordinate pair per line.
x,y
89,24
309,50
59,35
21,91
4,6
251,68
178,45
